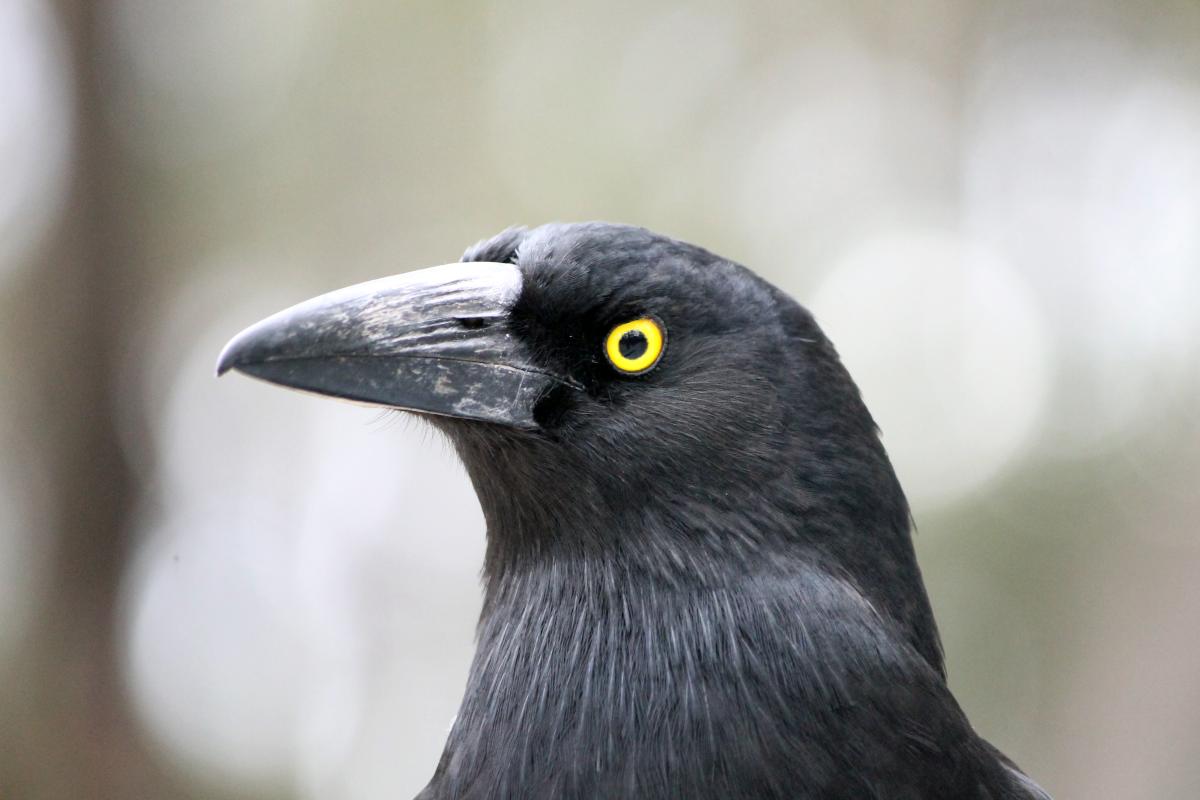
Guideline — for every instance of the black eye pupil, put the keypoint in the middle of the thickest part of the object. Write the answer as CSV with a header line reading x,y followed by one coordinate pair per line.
x,y
633,344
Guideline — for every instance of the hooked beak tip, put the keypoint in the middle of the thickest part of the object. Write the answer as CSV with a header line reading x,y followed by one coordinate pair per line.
x,y
228,358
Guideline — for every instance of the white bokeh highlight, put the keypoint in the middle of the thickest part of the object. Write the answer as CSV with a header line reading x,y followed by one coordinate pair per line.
x,y
950,351
1083,170
35,127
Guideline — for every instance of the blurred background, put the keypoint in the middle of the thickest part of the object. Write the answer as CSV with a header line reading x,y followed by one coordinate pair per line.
x,y
216,589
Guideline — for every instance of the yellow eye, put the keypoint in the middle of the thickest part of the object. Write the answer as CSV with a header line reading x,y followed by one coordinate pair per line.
x,y
635,347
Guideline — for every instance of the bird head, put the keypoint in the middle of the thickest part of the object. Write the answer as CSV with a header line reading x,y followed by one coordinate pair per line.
x,y
608,389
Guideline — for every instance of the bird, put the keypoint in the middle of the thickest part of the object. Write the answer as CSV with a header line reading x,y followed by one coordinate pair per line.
x,y
699,579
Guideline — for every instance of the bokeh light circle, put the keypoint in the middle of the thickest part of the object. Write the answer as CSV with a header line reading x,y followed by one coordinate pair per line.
x,y
949,350
1082,170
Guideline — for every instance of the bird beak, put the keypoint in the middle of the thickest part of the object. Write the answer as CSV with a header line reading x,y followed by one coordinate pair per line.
x,y
436,340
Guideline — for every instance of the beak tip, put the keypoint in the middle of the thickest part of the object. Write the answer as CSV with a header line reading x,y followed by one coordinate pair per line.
x,y
223,365
231,356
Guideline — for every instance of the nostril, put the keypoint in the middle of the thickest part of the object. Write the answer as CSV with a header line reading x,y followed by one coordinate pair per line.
x,y
474,323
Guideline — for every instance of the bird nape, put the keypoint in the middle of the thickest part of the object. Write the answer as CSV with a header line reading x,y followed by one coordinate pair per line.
x,y
699,579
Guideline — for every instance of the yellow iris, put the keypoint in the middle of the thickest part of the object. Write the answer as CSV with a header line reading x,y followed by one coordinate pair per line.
x,y
634,347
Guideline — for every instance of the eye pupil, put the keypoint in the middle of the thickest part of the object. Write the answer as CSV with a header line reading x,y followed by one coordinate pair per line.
x,y
633,344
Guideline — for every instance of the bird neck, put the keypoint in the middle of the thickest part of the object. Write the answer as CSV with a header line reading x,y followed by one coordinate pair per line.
x,y
841,510
622,632
852,522
592,677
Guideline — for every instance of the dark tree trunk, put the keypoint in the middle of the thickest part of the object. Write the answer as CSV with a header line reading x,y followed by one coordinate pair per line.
x,y
68,731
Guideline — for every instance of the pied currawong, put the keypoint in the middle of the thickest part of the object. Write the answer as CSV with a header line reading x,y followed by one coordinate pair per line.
x,y
699,579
